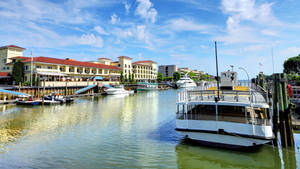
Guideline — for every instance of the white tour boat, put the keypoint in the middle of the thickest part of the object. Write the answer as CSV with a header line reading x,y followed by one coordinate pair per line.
x,y
231,115
185,82
118,90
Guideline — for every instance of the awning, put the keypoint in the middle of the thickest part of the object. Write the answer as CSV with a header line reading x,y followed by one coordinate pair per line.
x,y
51,73
98,78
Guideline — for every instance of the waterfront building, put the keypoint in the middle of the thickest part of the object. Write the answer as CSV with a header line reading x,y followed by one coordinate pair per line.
x,y
56,72
142,71
183,70
167,70
6,54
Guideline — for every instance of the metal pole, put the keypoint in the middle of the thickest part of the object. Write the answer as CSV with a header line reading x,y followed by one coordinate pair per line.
x,y
218,86
31,68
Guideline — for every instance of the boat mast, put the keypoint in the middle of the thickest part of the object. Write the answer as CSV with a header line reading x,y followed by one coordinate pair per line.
x,y
218,85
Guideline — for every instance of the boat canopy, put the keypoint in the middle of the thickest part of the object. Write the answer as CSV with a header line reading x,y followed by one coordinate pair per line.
x,y
14,93
98,78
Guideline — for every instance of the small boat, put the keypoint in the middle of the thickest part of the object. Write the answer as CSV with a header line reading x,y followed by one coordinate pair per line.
x,y
118,90
55,97
145,86
185,82
27,100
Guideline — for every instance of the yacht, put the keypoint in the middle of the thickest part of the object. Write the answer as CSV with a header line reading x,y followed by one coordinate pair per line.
x,y
118,90
229,115
185,82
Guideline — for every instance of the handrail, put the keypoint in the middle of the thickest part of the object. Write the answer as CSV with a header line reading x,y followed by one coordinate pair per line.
x,y
226,118
225,95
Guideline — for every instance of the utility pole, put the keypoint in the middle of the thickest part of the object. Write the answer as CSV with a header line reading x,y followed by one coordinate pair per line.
x,y
218,85
31,69
272,60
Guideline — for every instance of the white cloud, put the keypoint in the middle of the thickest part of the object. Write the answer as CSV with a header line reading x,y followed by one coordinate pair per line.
x,y
181,24
269,32
100,30
122,33
239,11
145,10
127,6
92,40
114,19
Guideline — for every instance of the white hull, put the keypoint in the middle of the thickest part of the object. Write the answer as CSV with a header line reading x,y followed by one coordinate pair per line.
x,y
118,91
186,85
224,140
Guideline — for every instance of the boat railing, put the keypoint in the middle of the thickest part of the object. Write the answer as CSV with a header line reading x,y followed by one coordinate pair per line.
x,y
225,118
200,95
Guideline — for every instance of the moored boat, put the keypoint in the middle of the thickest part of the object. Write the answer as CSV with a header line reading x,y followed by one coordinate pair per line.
x,y
233,116
185,82
145,86
118,90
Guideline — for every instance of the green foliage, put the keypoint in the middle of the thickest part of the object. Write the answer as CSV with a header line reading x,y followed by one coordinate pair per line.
x,y
37,81
192,75
292,65
159,77
132,78
122,77
176,76
27,83
18,72
167,78
293,77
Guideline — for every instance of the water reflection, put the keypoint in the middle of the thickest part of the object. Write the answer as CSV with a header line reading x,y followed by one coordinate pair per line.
x,y
134,131
191,156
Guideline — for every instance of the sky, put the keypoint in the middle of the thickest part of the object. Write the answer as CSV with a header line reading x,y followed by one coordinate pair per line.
x,y
180,32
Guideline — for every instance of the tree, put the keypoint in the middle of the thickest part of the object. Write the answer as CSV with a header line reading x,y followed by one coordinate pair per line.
x,y
18,72
121,77
292,65
132,78
176,76
159,76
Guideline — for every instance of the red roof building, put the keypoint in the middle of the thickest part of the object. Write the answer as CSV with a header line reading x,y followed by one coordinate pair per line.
x,y
12,46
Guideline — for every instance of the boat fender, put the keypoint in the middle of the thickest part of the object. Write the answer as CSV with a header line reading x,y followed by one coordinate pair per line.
x,y
221,131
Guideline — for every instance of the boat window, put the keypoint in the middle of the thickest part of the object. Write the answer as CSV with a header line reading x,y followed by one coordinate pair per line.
x,y
235,111
259,113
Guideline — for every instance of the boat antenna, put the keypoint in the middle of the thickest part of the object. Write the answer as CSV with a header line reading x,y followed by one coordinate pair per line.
x,y
218,79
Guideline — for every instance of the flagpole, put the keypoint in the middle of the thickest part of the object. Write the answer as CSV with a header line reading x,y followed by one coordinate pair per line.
x,y
272,60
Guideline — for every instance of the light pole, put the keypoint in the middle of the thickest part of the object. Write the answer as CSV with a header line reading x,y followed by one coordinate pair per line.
x,y
248,82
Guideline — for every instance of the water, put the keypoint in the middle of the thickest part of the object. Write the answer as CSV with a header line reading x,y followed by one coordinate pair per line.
x,y
116,132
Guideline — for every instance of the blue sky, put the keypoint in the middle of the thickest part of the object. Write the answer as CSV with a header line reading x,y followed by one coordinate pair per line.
x,y
178,32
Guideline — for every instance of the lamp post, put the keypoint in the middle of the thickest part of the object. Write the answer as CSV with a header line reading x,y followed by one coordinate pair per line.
x,y
249,86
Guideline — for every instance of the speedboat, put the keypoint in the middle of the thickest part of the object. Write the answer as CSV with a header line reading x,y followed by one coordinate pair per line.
x,y
185,82
118,90
230,116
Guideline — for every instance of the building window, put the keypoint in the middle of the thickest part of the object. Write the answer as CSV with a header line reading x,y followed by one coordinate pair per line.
x,y
125,66
7,68
26,67
4,61
38,67
49,67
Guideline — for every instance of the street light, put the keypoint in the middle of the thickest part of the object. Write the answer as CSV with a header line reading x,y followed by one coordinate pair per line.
x,y
241,68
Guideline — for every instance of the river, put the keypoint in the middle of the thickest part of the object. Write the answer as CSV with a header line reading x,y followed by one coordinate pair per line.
x,y
134,131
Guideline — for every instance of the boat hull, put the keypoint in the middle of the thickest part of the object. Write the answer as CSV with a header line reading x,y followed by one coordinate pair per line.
x,y
223,140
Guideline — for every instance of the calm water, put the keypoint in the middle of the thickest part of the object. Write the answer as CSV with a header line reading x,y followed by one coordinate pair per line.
x,y
116,132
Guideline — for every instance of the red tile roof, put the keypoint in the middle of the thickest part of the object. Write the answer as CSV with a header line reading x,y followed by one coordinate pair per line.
x,y
143,61
11,46
3,73
20,57
125,57
105,58
70,62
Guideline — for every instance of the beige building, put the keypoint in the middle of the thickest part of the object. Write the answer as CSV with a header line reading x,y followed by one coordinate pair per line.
x,y
6,55
142,71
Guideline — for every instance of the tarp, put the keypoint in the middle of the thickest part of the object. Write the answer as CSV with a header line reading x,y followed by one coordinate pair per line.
x,y
85,89
13,92
98,78
107,86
